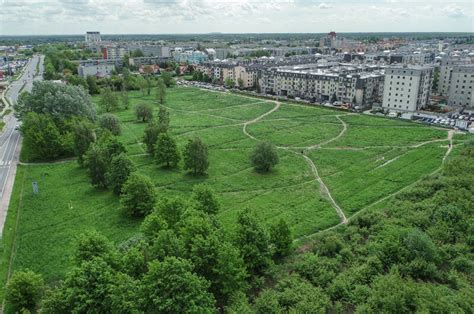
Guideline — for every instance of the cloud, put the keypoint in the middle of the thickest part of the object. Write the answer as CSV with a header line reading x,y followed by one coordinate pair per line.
x,y
190,16
324,6
454,12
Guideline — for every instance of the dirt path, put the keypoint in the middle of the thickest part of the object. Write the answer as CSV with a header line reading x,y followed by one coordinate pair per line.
x,y
244,129
324,189
322,186
344,129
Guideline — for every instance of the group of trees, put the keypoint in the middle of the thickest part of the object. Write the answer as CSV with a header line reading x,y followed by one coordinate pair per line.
x,y
49,114
182,261
164,147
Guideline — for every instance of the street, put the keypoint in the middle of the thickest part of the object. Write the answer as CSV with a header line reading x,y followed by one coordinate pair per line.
x,y
10,139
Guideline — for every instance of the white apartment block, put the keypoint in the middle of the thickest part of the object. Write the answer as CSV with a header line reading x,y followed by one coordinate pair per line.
x,y
445,72
407,88
462,86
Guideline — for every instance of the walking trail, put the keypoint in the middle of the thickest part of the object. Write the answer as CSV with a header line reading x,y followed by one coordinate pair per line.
x,y
323,187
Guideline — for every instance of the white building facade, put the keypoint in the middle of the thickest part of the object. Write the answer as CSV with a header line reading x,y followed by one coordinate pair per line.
x,y
407,88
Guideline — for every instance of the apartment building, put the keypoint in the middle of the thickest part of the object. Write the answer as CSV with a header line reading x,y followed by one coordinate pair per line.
x,y
445,72
361,86
191,57
98,68
462,86
139,61
407,88
114,52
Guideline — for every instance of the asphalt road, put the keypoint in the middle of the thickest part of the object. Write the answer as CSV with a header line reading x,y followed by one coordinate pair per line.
x,y
10,139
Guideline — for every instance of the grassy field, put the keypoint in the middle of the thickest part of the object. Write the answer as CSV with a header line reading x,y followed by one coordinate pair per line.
x,y
369,160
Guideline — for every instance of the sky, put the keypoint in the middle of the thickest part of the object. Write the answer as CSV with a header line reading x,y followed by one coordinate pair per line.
x,y
55,17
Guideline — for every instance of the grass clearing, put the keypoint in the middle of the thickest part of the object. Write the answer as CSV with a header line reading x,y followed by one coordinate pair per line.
x,y
368,162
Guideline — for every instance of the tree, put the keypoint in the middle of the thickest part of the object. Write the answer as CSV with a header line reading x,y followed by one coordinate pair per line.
x,y
172,287
144,112
229,82
84,136
125,99
161,92
118,172
264,157
167,78
163,119
196,157
96,162
166,151
253,243
92,85
333,98
205,199
241,83
110,122
92,244
24,290
138,195
229,274
152,225
280,237
148,85
41,136
93,287
142,84
60,102
152,131
108,100
171,209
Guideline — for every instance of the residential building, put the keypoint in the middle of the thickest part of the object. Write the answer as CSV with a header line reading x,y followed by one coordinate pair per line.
x,y
92,37
191,57
147,60
155,51
114,52
462,86
445,72
407,88
361,86
98,68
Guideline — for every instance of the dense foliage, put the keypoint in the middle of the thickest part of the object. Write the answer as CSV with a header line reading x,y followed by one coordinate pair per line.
x,y
412,255
57,100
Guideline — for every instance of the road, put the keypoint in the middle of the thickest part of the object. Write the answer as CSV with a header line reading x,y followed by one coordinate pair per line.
x,y
10,139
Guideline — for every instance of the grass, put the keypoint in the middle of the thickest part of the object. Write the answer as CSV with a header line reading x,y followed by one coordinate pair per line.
x,y
355,168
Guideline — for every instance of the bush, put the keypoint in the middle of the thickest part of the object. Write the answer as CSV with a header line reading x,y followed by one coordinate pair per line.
x,y
24,290
144,112
264,157
110,122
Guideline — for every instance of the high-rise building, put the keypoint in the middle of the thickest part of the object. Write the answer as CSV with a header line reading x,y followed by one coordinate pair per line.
x,y
407,88
93,37
462,86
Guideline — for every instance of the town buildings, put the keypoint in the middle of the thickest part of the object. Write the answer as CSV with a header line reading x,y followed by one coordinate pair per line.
x,y
407,88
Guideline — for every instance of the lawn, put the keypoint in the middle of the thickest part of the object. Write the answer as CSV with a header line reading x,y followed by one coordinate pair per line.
x,y
373,158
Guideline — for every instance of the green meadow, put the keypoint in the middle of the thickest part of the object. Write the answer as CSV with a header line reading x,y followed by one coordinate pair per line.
x,y
360,163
